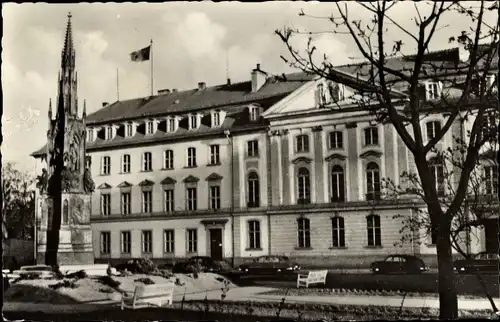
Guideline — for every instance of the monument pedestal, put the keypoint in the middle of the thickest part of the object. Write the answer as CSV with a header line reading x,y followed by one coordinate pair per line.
x,y
75,235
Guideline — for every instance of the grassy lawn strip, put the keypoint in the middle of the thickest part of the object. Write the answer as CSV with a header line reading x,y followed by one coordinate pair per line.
x,y
355,292
315,312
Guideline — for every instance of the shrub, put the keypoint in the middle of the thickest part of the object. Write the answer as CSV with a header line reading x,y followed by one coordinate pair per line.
x,y
64,283
29,276
108,281
145,280
146,266
78,275
106,290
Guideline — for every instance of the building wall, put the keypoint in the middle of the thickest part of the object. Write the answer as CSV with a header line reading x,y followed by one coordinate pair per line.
x,y
180,227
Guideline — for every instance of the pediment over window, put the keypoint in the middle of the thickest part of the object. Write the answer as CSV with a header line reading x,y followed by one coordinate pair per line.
x,y
146,183
371,153
168,180
191,179
335,156
214,177
124,184
301,159
104,186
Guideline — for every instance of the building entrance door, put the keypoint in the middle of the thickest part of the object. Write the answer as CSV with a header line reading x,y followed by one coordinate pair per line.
x,y
216,244
492,235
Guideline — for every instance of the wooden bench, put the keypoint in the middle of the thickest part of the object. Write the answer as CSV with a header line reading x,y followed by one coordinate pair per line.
x,y
147,295
313,277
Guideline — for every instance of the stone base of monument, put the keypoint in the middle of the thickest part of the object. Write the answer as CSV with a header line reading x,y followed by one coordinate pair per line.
x,y
69,258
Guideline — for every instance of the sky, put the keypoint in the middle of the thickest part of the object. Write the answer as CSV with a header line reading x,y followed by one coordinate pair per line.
x,y
192,42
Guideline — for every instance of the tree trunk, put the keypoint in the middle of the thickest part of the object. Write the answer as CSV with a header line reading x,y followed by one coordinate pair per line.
x,y
448,301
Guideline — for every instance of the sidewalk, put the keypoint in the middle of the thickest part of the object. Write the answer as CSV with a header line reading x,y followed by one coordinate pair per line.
x,y
252,294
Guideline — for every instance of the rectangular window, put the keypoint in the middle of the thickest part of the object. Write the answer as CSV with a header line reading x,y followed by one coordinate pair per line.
x,y
254,113
371,136
150,127
191,157
168,241
432,129
216,119
126,242
168,200
302,143
105,165
214,154
373,226
194,122
90,135
126,163
147,161
106,204
432,90
128,130
336,140
491,180
338,232
304,233
147,201
105,242
147,241
192,241
109,133
125,203
254,234
191,199
214,197
171,125
168,159
253,148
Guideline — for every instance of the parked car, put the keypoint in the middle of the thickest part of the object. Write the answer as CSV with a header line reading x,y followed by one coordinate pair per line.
x,y
269,265
206,264
407,264
481,262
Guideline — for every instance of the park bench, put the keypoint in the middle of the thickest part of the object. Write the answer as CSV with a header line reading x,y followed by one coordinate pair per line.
x,y
313,277
147,295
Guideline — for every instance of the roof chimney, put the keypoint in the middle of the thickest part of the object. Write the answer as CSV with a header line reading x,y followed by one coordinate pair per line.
x,y
104,104
258,78
228,81
201,86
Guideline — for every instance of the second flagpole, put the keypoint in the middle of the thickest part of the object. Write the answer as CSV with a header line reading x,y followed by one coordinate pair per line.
x,y
151,50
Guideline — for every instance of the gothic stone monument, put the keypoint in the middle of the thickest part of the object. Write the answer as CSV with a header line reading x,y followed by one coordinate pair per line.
x,y
75,236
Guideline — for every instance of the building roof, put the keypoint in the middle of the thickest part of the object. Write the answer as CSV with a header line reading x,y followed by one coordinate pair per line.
x,y
183,102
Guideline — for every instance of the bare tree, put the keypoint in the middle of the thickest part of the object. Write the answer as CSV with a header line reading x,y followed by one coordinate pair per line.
x,y
401,95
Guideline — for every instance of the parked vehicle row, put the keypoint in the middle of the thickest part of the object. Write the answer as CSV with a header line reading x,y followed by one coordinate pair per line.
x,y
279,265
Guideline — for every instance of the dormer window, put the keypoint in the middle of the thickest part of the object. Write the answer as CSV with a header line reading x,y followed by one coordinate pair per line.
x,y
433,90
193,121
109,132
433,129
490,83
90,135
254,113
149,127
128,130
171,125
216,119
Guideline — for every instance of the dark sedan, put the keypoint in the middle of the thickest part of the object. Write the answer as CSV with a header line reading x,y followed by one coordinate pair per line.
x,y
404,264
269,265
481,262
204,263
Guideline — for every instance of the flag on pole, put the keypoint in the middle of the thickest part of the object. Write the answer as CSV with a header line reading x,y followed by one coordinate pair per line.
x,y
141,55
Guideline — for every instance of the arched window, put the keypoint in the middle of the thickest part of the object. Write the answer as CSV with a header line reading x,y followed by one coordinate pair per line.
x,y
253,190
372,181
337,184
437,172
373,229
303,233
338,232
303,187
65,216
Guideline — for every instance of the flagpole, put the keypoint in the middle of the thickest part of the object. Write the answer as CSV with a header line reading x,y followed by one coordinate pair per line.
x,y
117,86
151,49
